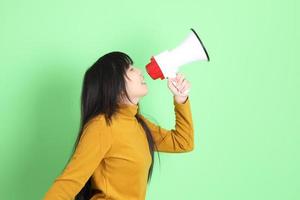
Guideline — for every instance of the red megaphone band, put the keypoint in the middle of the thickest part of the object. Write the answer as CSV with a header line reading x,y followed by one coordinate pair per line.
x,y
154,70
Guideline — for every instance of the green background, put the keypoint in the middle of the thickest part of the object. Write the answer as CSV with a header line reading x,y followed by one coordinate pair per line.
x,y
245,101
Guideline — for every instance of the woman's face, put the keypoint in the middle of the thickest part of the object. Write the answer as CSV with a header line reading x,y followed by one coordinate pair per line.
x,y
135,85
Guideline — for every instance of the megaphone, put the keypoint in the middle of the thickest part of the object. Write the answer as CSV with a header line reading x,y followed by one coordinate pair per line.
x,y
167,63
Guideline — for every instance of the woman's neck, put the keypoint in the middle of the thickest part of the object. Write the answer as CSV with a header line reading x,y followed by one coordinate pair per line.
x,y
134,101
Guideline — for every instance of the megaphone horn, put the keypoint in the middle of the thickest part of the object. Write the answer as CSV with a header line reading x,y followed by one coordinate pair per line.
x,y
167,63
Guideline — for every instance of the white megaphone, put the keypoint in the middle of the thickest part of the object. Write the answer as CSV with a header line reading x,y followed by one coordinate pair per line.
x,y
167,63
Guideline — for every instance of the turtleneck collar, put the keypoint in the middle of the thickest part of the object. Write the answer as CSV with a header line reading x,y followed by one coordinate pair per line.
x,y
128,110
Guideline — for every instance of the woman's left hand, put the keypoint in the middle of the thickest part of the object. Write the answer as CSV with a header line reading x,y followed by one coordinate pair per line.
x,y
180,87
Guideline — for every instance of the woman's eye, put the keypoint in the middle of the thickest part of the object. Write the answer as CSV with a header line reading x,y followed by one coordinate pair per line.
x,y
131,69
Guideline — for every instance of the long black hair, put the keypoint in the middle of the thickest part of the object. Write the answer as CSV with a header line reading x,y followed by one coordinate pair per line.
x,y
103,86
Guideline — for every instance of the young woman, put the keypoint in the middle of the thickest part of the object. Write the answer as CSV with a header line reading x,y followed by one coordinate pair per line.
x,y
114,152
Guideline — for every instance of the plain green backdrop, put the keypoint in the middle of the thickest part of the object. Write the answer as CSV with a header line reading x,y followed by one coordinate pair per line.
x,y
245,101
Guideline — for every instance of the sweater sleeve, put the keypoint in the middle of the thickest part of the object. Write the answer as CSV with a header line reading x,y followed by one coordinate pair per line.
x,y
95,141
180,139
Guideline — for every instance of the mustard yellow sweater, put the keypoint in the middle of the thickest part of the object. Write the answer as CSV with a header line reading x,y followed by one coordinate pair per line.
x,y
118,157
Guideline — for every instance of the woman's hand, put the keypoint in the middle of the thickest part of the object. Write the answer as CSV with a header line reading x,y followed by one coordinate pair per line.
x,y
180,87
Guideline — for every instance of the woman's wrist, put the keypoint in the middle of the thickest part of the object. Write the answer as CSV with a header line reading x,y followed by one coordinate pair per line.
x,y
180,99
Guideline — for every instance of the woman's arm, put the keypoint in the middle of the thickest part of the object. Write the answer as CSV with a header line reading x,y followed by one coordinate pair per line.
x,y
180,139
94,143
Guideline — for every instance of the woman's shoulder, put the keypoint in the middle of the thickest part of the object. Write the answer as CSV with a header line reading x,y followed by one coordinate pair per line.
x,y
98,117
97,121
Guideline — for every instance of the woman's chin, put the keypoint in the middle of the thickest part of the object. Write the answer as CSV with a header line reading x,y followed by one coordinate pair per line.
x,y
145,93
